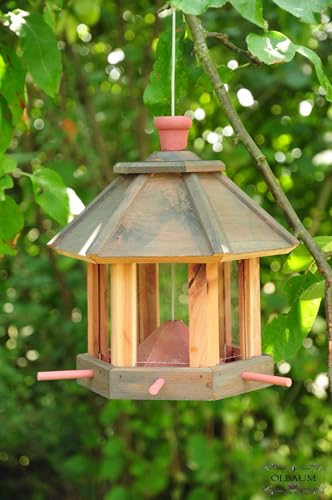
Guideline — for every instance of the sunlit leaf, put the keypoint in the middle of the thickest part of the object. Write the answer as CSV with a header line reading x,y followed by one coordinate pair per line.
x,y
272,47
11,223
6,129
315,291
316,61
50,193
197,7
6,182
7,165
41,54
298,8
251,10
284,335
300,258
88,12
13,82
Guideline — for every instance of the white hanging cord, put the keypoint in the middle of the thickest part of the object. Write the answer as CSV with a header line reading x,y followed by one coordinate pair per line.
x,y
173,290
173,61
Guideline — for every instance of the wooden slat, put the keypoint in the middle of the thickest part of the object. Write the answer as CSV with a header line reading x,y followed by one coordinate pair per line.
x,y
225,307
123,314
206,214
227,380
203,315
100,383
161,167
113,220
103,311
180,383
148,299
93,309
249,308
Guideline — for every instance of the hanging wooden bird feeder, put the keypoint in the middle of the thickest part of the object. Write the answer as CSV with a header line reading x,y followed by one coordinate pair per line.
x,y
173,208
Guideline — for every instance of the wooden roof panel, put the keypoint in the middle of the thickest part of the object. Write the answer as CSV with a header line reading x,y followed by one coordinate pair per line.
x,y
160,221
172,215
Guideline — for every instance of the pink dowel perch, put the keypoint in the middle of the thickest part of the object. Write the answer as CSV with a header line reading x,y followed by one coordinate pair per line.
x,y
64,375
156,386
267,379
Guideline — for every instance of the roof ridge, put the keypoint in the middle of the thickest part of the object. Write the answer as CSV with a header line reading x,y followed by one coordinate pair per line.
x,y
59,236
130,194
206,213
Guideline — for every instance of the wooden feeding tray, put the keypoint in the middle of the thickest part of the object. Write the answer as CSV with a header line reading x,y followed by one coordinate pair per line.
x,y
173,208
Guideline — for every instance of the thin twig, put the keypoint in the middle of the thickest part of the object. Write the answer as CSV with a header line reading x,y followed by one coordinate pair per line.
x,y
201,48
224,39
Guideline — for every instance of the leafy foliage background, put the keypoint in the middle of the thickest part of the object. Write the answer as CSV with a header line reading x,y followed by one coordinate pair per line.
x,y
57,440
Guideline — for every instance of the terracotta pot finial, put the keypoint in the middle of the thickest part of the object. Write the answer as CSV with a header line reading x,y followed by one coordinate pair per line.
x,y
173,132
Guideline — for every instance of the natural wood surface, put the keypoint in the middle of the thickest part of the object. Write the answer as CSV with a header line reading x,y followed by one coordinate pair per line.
x,y
207,215
161,220
148,167
123,314
148,299
100,383
93,309
203,315
170,161
180,383
150,218
113,219
249,308
104,311
227,380
225,307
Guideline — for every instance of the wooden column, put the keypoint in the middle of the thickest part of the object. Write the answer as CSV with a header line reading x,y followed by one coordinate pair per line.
x,y
203,315
249,308
225,308
148,299
103,312
123,314
93,309
97,310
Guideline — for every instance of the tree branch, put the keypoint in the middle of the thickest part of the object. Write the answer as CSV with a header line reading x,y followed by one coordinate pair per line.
x,y
224,39
263,166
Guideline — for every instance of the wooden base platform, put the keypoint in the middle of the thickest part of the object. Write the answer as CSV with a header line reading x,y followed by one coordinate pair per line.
x,y
198,384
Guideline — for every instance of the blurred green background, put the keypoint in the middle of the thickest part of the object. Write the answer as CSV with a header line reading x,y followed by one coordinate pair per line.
x,y
57,440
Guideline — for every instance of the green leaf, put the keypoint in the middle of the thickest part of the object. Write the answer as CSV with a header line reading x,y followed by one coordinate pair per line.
x,y
13,84
6,129
251,10
319,5
41,54
315,291
272,47
316,61
284,335
6,182
300,258
197,7
50,193
2,69
88,12
157,94
11,223
298,8
7,165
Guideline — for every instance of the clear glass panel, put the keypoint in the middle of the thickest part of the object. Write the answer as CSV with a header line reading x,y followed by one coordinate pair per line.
x,y
235,303
180,292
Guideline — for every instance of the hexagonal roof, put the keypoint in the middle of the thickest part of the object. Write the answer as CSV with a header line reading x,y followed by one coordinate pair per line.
x,y
172,207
